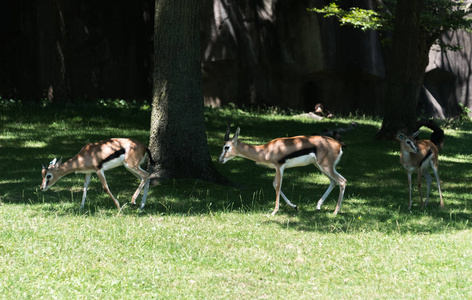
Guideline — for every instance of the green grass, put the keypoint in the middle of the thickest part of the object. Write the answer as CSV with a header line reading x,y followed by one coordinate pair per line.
x,y
199,240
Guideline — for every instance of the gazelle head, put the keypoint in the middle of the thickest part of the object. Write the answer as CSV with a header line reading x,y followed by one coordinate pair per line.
x,y
49,174
408,143
229,148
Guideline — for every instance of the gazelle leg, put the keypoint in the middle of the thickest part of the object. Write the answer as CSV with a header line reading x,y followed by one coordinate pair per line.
x,y
278,187
428,186
144,183
103,180
84,195
342,187
144,176
334,177
326,194
435,170
138,190
409,188
419,188
283,195
145,192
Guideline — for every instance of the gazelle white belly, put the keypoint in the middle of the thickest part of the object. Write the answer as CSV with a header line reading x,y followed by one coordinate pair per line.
x,y
116,162
85,172
301,161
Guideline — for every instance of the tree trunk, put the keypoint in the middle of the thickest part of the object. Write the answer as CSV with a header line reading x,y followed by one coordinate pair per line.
x,y
178,141
405,69
53,50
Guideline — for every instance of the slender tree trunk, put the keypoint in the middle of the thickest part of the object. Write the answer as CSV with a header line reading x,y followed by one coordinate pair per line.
x,y
178,141
53,50
405,69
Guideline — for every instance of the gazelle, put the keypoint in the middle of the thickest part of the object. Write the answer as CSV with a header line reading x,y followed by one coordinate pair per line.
x,y
419,156
298,151
98,158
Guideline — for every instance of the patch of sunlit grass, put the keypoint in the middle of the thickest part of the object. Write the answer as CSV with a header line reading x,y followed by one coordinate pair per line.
x,y
195,239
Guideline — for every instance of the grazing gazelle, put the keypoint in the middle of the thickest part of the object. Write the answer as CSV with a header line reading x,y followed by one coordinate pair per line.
x,y
298,151
418,156
98,158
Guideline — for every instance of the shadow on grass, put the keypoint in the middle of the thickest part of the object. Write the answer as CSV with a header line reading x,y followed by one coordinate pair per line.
x,y
376,195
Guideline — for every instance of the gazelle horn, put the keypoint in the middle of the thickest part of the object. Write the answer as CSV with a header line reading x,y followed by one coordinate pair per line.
x,y
228,128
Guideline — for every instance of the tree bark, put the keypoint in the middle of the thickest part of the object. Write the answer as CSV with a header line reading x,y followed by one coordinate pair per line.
x,y
178,141
53,50
405,69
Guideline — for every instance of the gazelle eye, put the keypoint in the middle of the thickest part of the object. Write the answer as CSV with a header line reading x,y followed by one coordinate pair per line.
x,y
226,148
49,176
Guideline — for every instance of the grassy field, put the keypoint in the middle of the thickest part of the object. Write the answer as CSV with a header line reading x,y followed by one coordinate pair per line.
x,y
198,240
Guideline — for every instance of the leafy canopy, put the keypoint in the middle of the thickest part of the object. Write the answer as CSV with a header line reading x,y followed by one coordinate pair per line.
x,y
438,16
358,17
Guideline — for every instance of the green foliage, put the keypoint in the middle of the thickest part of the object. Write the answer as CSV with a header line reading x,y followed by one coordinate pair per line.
x,y
443,15
199,240
364,19
465,116
438,16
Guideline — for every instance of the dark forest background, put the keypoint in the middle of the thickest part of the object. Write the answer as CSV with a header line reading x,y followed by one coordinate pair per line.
x,y
254,52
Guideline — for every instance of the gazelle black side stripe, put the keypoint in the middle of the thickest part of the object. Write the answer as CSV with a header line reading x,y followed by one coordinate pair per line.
x,y
297,153
426,157
112,156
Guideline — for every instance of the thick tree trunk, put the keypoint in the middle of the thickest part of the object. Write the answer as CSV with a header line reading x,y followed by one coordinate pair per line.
x,y
405,69
178,141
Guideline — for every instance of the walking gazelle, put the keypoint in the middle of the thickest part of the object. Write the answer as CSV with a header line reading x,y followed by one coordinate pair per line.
x,y
98,158
419,156
298,151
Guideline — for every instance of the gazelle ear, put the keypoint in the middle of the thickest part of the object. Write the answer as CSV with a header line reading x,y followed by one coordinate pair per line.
x,y
236,135
55,163
400,136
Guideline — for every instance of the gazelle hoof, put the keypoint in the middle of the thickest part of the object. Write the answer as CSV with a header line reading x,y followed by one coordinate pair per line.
x,y
296,207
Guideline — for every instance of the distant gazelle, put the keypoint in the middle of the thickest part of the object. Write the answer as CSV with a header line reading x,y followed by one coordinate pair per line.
x,y
98,158
281,153
419,156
